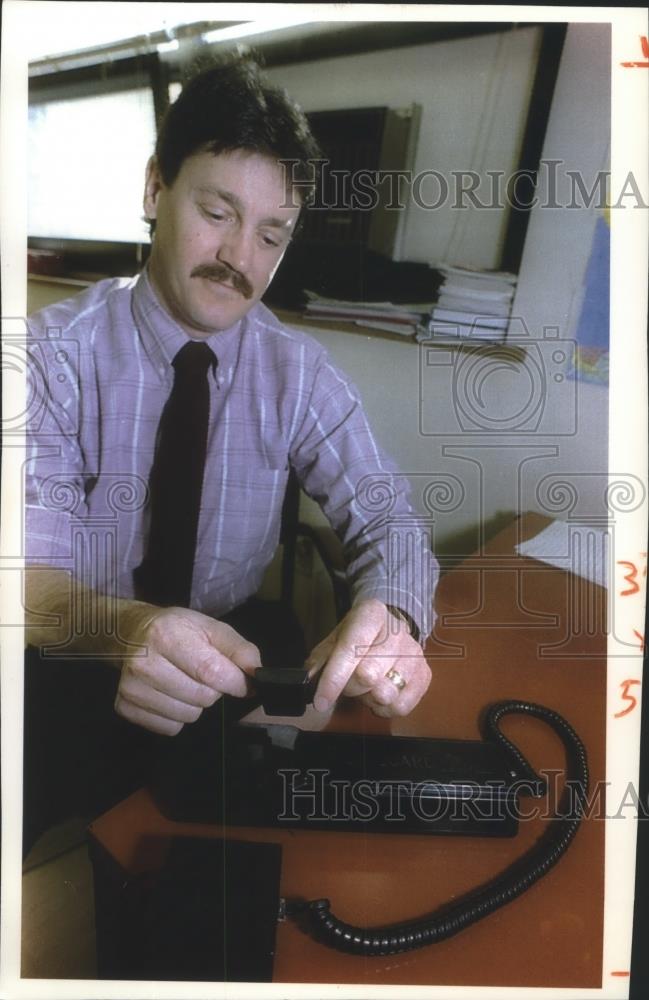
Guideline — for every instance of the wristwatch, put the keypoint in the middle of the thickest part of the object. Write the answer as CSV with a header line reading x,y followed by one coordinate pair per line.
x,y
404,617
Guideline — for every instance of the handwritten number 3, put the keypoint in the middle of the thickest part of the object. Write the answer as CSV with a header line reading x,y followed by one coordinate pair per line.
x,y
629,578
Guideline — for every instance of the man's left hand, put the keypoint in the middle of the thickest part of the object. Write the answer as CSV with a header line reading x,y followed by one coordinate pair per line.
x,y
370,655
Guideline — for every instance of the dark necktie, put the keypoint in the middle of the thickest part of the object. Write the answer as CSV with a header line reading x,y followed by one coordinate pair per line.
x,y
165,575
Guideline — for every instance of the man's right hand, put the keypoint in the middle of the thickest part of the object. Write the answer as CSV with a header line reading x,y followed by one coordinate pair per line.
x,y
188,662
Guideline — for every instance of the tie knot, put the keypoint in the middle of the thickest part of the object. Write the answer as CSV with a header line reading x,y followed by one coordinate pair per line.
x,y
194,359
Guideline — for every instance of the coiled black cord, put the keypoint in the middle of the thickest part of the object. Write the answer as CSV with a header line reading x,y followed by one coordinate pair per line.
x,y
506,886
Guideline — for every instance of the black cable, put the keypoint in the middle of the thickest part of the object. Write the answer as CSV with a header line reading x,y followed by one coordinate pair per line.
x,y
515,880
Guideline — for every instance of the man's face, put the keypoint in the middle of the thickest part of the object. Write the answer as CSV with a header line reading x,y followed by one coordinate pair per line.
x,y
221,232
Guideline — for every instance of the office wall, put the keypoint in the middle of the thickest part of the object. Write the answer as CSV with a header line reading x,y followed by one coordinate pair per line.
x,y
417,399
474,95
552,276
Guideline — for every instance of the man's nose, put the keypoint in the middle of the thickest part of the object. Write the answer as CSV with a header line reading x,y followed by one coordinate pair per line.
x,y
235,249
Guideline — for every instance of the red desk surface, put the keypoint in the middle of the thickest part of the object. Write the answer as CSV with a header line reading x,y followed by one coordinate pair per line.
x,y
508,627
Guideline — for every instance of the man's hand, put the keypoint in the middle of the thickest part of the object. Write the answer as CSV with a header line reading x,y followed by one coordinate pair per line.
x,y
188,662
357,657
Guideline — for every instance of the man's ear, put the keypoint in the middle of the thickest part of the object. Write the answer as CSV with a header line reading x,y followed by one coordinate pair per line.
x,y
152,186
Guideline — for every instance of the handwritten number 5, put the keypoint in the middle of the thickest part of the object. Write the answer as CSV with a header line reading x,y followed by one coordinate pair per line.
x,y
625,685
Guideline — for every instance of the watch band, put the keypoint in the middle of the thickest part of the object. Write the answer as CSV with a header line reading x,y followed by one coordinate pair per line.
x,y
405,617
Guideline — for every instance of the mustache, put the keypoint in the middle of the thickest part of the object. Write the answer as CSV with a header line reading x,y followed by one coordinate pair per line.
x,y
221,272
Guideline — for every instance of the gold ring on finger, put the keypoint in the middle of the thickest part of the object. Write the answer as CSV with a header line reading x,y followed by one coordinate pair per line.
x,y
395,677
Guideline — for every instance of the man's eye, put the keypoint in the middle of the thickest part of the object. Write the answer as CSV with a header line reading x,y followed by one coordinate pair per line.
x,y
216,215
270,241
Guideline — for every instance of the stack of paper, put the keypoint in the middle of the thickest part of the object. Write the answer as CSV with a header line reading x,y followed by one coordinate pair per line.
x,y
401,319
472,304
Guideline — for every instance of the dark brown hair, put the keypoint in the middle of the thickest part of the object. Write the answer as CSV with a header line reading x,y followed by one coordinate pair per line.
x,y
229,106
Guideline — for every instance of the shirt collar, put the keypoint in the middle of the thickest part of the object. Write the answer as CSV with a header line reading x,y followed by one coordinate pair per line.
x,y
161,335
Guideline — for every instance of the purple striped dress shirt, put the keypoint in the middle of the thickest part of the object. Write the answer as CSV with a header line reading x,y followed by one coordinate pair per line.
x,y
100,375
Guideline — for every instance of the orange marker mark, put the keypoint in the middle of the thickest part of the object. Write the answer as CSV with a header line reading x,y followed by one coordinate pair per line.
x,y
625,685
629,578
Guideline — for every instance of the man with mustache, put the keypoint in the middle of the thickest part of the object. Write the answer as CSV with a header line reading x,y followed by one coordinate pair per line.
x,y
223,207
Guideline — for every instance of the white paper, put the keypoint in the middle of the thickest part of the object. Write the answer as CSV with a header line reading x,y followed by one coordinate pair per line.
x,y
576,548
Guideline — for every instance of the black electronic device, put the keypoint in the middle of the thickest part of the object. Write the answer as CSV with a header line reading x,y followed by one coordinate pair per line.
x,y
468,786
328,780
284,690
208,914
211,915
350,781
